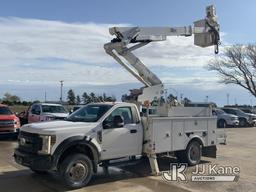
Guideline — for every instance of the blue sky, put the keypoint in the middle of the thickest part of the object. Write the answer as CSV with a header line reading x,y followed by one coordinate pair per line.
x,y
46,41
236,16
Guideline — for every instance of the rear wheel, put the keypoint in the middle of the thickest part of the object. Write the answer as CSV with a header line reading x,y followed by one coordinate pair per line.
x,y
192,154
76,170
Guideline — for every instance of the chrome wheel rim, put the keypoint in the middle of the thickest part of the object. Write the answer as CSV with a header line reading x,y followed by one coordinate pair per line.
x,y
78,171
194,153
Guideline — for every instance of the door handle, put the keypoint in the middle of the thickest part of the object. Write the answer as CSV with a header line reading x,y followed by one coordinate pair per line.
x,y
133,131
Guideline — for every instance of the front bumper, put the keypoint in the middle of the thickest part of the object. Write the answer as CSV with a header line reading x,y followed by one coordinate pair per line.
x,y
33,161
6,130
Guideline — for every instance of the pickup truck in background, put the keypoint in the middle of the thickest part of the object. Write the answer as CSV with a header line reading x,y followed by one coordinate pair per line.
x,y
9,122
38,112
46,112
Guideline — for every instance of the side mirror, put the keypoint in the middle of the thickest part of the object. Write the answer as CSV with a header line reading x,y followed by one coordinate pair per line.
x,y
118,121
106,124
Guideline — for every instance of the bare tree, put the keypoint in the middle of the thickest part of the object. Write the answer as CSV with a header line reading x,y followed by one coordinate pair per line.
x,y
237,65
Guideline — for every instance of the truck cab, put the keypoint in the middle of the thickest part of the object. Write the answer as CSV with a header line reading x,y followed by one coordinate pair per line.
x,y
99,131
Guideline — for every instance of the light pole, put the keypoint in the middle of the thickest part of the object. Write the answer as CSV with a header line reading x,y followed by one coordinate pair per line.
x,y
61,86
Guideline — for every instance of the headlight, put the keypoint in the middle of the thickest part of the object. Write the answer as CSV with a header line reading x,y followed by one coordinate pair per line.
x,y
47,142
16,123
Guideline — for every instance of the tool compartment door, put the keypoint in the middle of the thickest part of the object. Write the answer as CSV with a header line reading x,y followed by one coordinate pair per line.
x,y
162,135
178,135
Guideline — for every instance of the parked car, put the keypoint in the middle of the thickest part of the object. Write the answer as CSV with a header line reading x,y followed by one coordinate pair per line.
x,y
248,110
9,122
46,112
224,119
244,118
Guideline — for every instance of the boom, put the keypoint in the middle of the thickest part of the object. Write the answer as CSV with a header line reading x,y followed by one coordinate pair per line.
x,y
206,33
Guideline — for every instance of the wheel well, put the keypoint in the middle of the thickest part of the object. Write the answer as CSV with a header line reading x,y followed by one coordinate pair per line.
x,y
77,148
197,140
242,118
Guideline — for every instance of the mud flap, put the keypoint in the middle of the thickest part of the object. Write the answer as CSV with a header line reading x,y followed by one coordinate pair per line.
x,y
210,151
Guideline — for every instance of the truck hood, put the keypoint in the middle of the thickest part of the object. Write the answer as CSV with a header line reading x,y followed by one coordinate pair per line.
x,y
226,115
56,114
53,127
8,117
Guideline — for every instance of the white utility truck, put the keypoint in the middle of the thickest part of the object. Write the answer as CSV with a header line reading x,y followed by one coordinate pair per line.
x,y
99,133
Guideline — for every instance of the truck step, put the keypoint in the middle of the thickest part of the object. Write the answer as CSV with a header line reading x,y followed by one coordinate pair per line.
x,y
119,162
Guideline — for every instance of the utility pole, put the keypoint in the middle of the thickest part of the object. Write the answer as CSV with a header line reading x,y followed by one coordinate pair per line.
x,y
45,96
206,98
227,98
61,86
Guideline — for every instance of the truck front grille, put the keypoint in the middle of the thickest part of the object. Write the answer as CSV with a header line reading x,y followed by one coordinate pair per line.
x,y
29,142
59,118
6,123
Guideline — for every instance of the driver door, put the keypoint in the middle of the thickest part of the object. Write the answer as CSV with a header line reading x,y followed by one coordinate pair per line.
x,y
124,140
34,114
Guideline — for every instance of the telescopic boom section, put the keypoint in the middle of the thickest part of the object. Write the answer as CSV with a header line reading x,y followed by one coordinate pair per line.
x,y
206,33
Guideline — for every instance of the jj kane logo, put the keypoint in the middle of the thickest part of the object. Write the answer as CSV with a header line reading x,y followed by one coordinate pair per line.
x,y
203,173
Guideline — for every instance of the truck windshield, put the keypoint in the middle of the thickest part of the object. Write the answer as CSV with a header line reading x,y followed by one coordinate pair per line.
x,y
53,109
89,113
5,111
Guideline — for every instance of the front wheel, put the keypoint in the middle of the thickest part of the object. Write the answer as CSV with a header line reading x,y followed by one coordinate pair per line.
x,y
222,124
76,170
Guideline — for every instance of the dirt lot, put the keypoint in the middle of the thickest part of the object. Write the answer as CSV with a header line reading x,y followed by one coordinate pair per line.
x,y
240,151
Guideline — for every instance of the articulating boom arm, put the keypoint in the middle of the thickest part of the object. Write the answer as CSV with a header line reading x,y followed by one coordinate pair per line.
x,y
206,33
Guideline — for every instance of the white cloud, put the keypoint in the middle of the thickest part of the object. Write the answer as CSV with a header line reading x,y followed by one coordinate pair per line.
x,y
41,51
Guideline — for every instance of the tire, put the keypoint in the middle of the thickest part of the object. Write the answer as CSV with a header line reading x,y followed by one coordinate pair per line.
x,y
192,155
76,170
222,123
242,122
